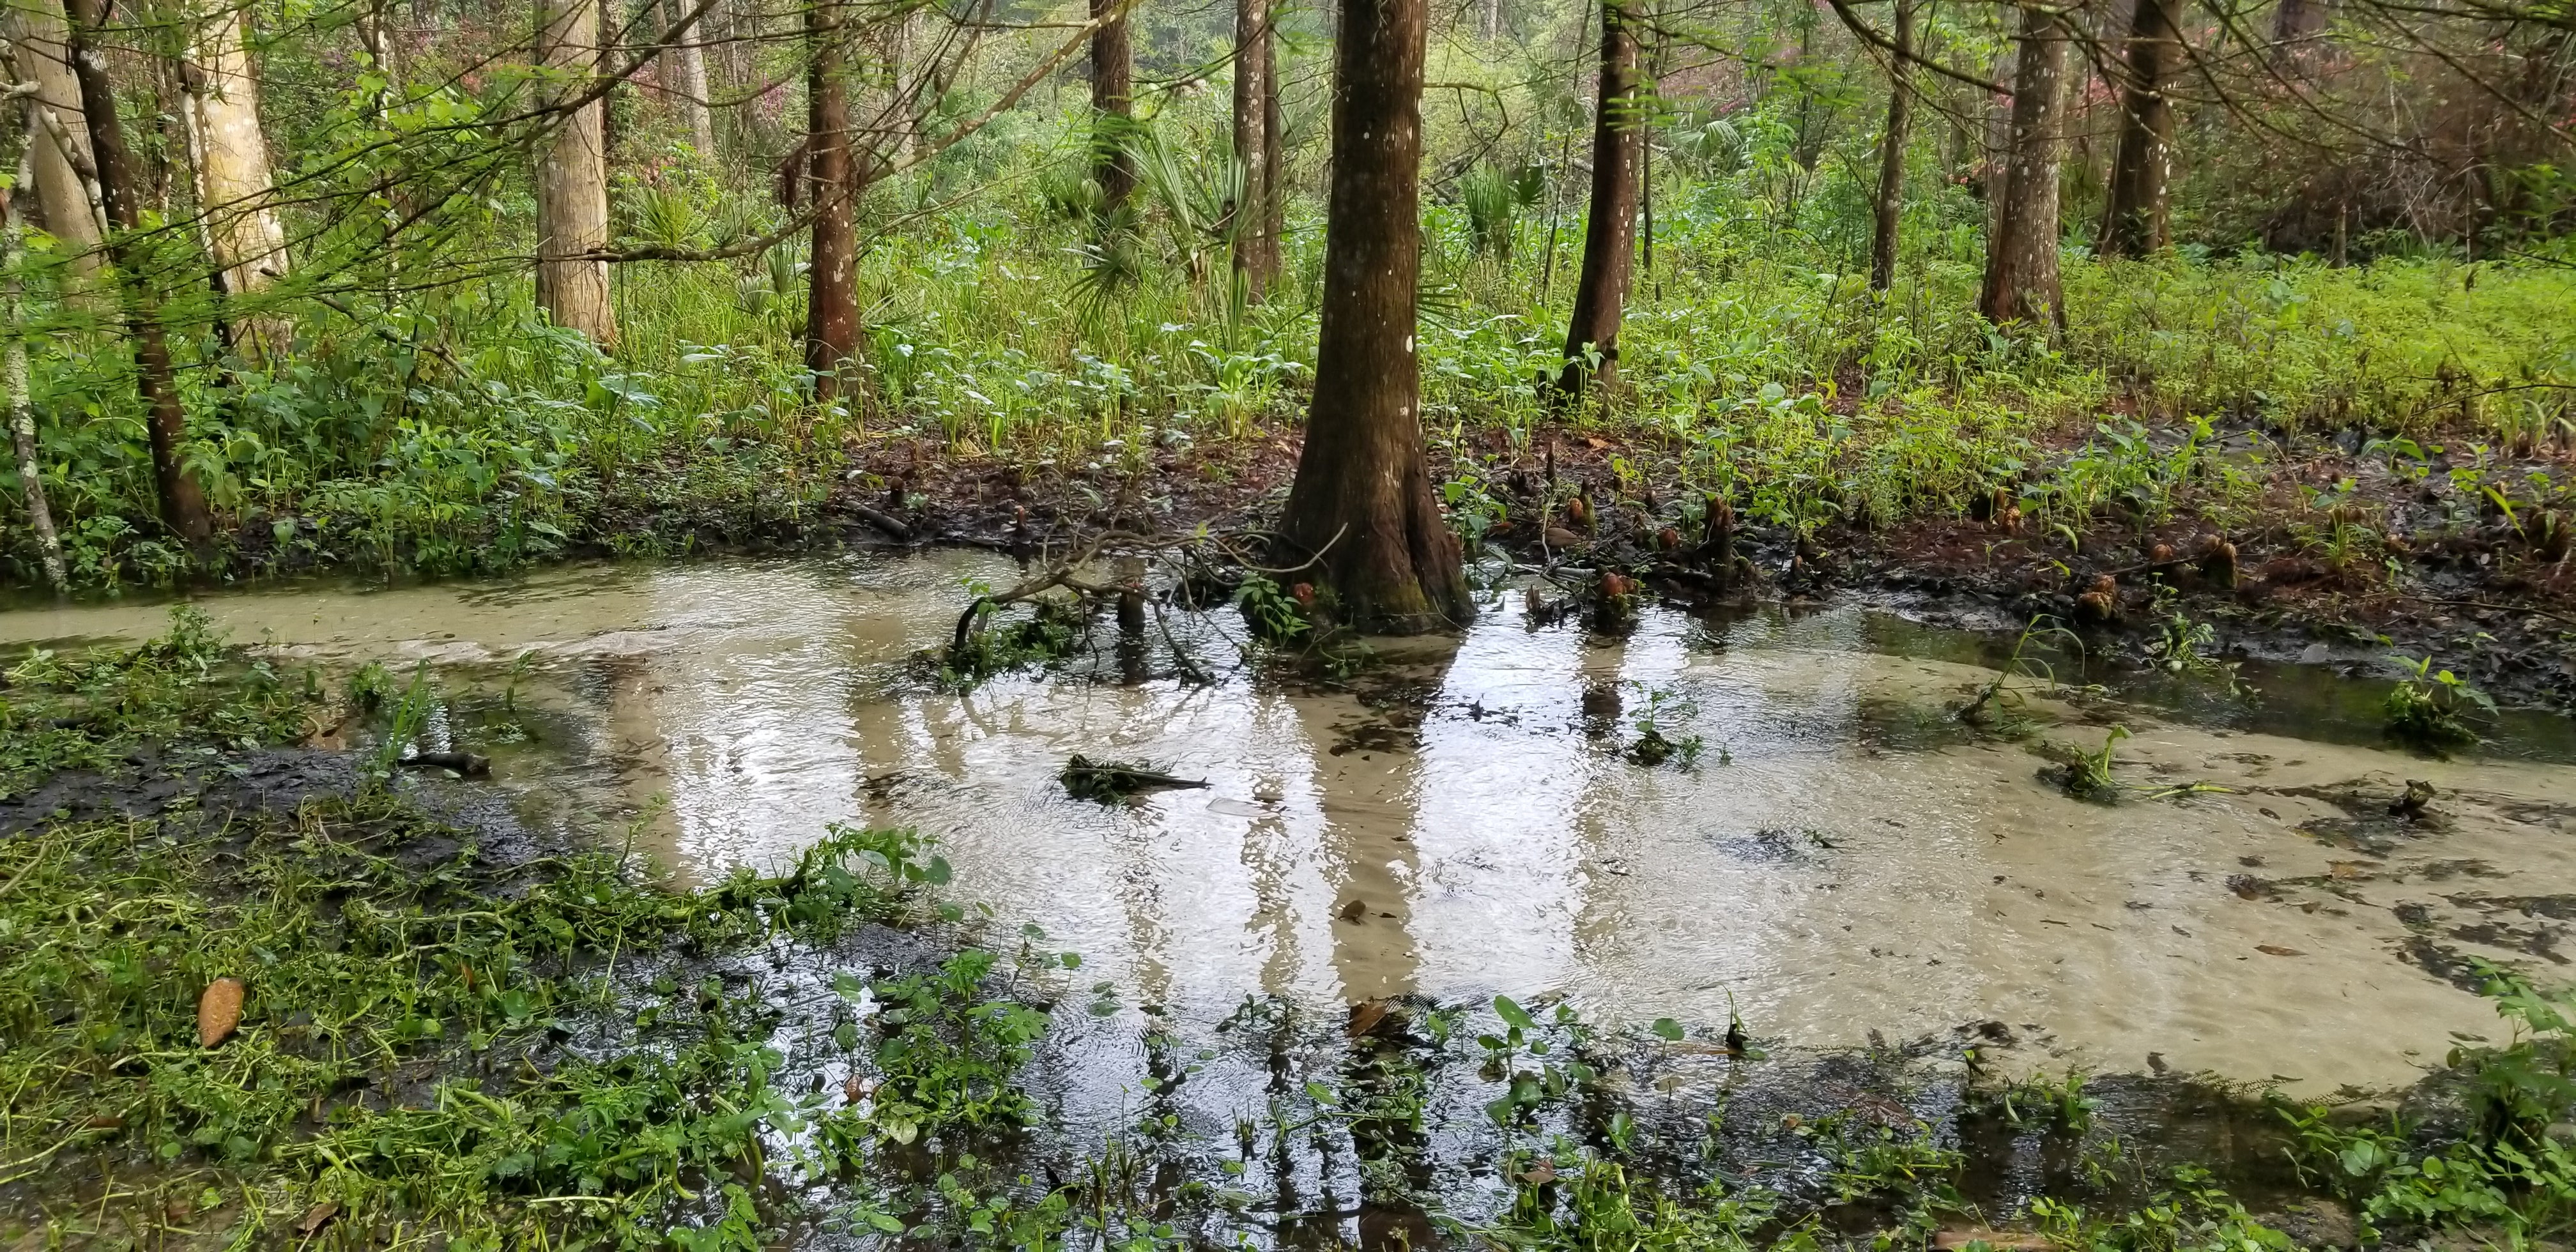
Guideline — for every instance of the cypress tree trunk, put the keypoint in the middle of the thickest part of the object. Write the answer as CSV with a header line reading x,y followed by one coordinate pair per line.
x,y
233,187
2134,222
1362,499
183,502
37,27
1113,73
1251,149
1890,208
572,179
832,294
2021,254
1609,237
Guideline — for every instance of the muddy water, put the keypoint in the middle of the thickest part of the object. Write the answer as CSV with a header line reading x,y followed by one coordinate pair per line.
x,y
1460,821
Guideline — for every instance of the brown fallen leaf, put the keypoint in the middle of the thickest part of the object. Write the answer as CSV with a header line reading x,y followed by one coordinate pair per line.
x,y
219,1011
1541,1174
105,1121
1367,1016
2001,1240
2272,950
857,1088
315,1216
2346,869
1596,441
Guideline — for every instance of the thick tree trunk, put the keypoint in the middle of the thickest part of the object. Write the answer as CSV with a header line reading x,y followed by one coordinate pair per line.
x,y
183,502
1113,107
832,292
1890,208
688,80
37,27
2134,222
1610,236
572,179
233,187
1362,500
2021,255
15,154
1251,151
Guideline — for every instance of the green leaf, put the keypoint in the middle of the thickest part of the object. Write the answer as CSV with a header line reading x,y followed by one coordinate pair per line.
x,y
1667,1028
1512,1014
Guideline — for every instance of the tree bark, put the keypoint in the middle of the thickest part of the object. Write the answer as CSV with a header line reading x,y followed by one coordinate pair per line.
x,y
2021,255
832,292
37,27
572,179
1610,236
688,80
234,192
1113,106
1251,151
1362,501
183,502
2134,222
1274,155
16,153
1890,208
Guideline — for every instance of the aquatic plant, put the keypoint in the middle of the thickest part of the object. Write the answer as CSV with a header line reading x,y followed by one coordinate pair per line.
x,y
2427,707
1997,705
2087,775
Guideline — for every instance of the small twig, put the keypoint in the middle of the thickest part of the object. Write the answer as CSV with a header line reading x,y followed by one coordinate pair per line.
x,y
2551,614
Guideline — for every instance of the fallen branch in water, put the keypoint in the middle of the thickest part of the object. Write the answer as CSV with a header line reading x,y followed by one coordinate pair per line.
x,y
1060,575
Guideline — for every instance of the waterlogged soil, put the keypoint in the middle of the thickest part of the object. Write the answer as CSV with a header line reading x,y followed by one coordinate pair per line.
x,y
1840,862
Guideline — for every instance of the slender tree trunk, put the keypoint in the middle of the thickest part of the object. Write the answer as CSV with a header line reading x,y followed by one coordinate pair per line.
x,y
1113,107
572,179
16,151
1251,151
1610,236
1362,501
2134,223
37,27
689,79
832,293
234,193
2021,258
1890,209
1274,154
183,502
1997,142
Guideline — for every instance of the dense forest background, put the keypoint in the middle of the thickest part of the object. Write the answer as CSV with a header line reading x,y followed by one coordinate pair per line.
x,y
446,286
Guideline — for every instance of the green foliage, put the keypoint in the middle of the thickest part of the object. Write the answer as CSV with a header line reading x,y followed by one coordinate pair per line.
x,y
1052,631
2513,1171
2427,707
181,693
1273,615
2192,1214
950,1054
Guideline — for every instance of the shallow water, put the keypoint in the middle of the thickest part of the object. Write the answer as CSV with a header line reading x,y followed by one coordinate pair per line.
x,y
1460,821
